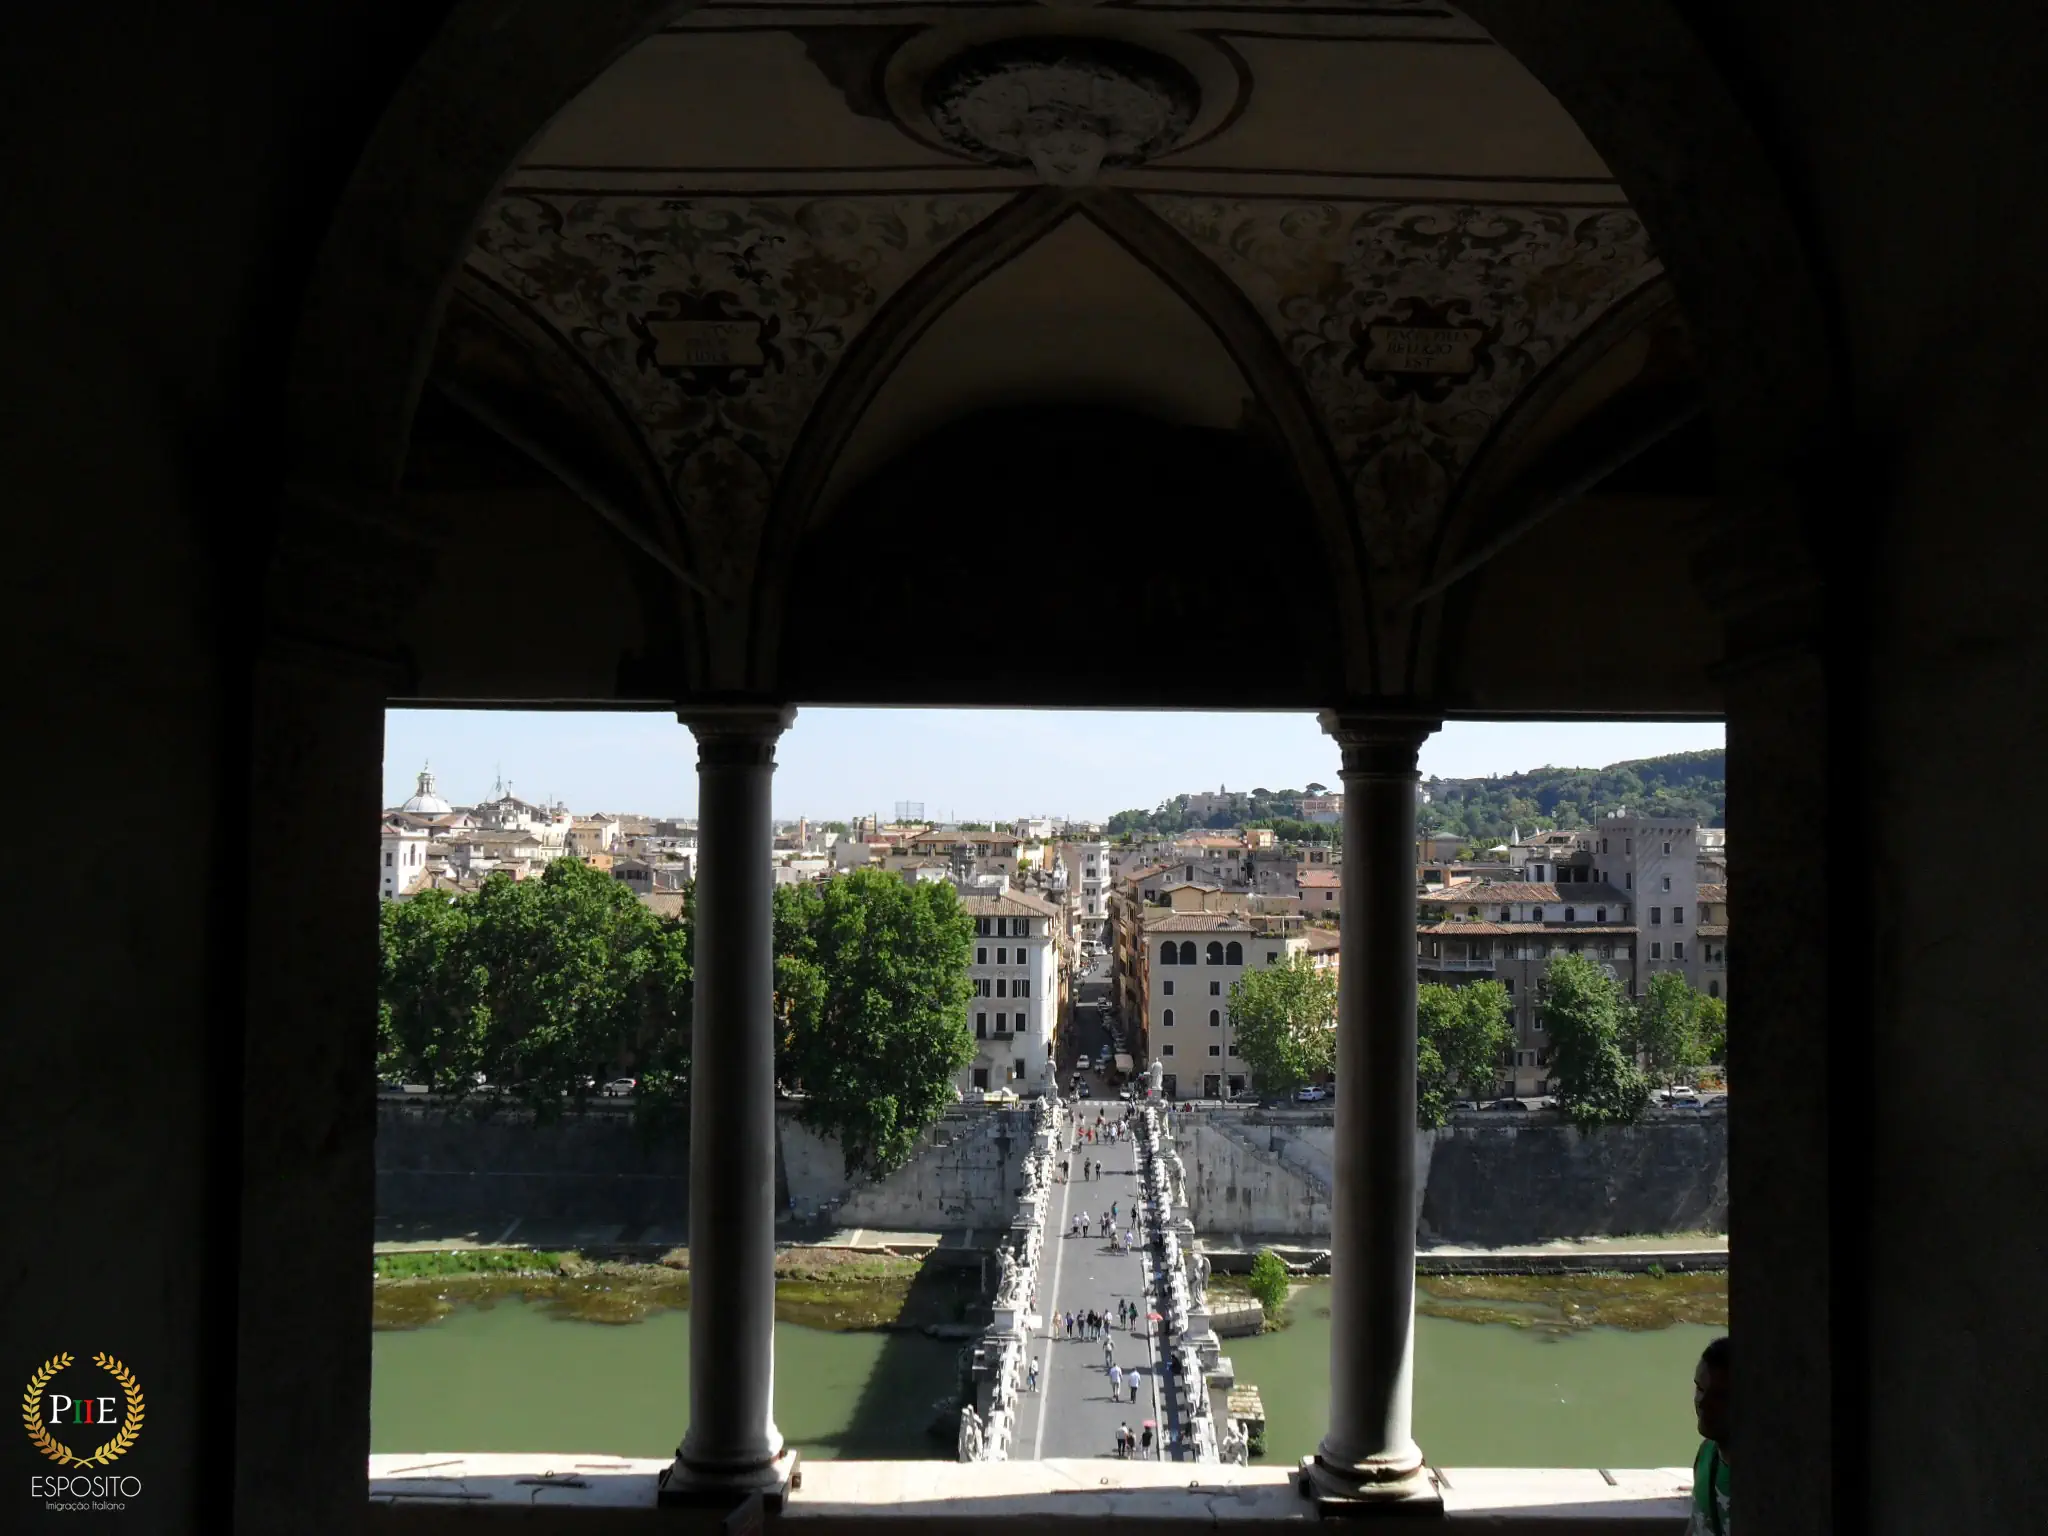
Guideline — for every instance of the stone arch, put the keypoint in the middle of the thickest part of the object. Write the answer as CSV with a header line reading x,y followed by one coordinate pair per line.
x,y
1631,73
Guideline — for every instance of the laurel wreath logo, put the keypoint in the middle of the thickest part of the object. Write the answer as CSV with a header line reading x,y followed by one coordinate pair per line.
x,y
39,1434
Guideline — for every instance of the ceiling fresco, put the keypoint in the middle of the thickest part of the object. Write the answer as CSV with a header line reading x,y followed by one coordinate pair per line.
x,y
1416,326
720,218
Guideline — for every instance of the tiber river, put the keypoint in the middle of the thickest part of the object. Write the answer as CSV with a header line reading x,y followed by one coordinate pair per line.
x,y
512,1378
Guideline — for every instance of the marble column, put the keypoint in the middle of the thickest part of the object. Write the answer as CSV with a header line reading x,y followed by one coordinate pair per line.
x,y
1369,1450
732,1445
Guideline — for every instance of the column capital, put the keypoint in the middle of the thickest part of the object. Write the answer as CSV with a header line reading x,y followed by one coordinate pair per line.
x,y
736,733
1379,744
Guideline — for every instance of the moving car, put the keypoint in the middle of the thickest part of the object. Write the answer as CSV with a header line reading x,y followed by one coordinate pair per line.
x,y
1313,1093
1508,1104
620,1087
1681,1094
1081,1063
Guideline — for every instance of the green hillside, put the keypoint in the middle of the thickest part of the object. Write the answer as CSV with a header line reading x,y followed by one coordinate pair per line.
x,y
1486,810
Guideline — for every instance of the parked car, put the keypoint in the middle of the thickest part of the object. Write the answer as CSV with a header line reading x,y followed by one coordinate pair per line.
x,y
1081,1063
1510,1104
620,1087
1312,1094
1680,1095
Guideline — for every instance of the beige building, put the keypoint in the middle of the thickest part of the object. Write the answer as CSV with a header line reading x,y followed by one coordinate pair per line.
x,y
1192,959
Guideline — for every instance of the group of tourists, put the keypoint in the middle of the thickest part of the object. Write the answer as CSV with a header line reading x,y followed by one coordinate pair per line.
x,y
1128,1444
1091,1168
1119,1379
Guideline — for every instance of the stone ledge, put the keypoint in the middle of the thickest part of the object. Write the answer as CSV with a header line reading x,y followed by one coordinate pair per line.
x,y
429,1492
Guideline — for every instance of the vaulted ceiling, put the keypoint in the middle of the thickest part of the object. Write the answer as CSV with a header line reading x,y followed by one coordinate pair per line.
x,y
779,252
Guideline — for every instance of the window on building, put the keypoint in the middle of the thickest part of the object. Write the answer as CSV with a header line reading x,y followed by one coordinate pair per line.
x,y
1538,1024
1019,1072
981,927
1667,850
1233,953
1678,949
981,1077
1471,911
1215,1019
1002,986
1215,953
1003,1023
1507,914
1678,916
1628,845
1713,989
1024,987
1535,914
981,1026
1167,1020
1215,989
1166,1049
387,861
1628,881
981,957
1166,953
1168,988
1187,952
1571,914
1272,956
1215,1050
1656,916
1656,951
1599,914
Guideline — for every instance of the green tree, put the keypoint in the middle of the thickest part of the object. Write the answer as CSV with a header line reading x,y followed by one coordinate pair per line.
x,y
1268,1282
1668,1030
1284,1019
538,985
1460,1033
872,993
1586,1019
1714,1029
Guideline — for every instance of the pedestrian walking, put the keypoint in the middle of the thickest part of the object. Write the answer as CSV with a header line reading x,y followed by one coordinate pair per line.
x,y
1145,1441
1123,1439
1108,1350
1116,1382
1031,1380
1131,1378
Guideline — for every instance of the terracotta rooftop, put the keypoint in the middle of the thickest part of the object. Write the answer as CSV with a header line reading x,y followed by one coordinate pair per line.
x,y
1477,930
1712,930
1713,893
1009,904
1208,922
1480,892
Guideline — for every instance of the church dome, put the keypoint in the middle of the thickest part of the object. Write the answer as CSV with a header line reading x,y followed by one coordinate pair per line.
x,y
424,801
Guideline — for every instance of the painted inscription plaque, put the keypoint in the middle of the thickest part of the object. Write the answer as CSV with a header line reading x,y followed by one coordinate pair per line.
x,y
707,343
1422,348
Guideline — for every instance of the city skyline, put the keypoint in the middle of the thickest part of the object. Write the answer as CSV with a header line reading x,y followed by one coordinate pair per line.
x,y
962,764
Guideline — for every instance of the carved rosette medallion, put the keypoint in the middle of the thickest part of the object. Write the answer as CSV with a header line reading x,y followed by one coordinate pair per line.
x,y
1066,107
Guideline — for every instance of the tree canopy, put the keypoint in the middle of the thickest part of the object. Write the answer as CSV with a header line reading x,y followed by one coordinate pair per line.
x,y
543,986
1486,811
871,996
1284,1021
1460,1033
1586,1018
537,985
1669,1030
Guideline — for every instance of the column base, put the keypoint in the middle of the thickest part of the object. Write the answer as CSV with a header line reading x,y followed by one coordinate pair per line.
x,y
1342,1492
685,1487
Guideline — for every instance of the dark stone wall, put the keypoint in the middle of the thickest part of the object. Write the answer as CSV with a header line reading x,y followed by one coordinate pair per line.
x,y
1490,1186
435,1162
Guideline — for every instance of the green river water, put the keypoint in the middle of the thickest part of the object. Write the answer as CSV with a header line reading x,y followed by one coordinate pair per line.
x,y
511,1378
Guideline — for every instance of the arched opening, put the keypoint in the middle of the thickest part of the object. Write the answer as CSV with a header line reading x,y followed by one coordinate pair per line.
x,y
720,613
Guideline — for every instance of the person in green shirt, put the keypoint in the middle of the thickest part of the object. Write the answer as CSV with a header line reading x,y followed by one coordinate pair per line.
x,y
1710,1465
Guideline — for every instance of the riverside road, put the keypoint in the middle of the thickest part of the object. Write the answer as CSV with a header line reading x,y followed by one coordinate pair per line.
x,y
1075,1413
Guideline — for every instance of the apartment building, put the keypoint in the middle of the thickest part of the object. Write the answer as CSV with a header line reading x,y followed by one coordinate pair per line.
x,y
1192,959
1014,1010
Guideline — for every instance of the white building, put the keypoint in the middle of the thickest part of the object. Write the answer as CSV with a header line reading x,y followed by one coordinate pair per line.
x,y
1015,1004
1088,882
1192,960
403,860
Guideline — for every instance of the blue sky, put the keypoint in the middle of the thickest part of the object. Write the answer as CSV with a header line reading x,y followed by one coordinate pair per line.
x,y
974,764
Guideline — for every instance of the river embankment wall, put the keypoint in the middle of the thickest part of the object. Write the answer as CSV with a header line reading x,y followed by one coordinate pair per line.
x,y
1484,1181
599,1167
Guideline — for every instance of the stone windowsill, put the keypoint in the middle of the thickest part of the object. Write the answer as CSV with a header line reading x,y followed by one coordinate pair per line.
x,y
427,1492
